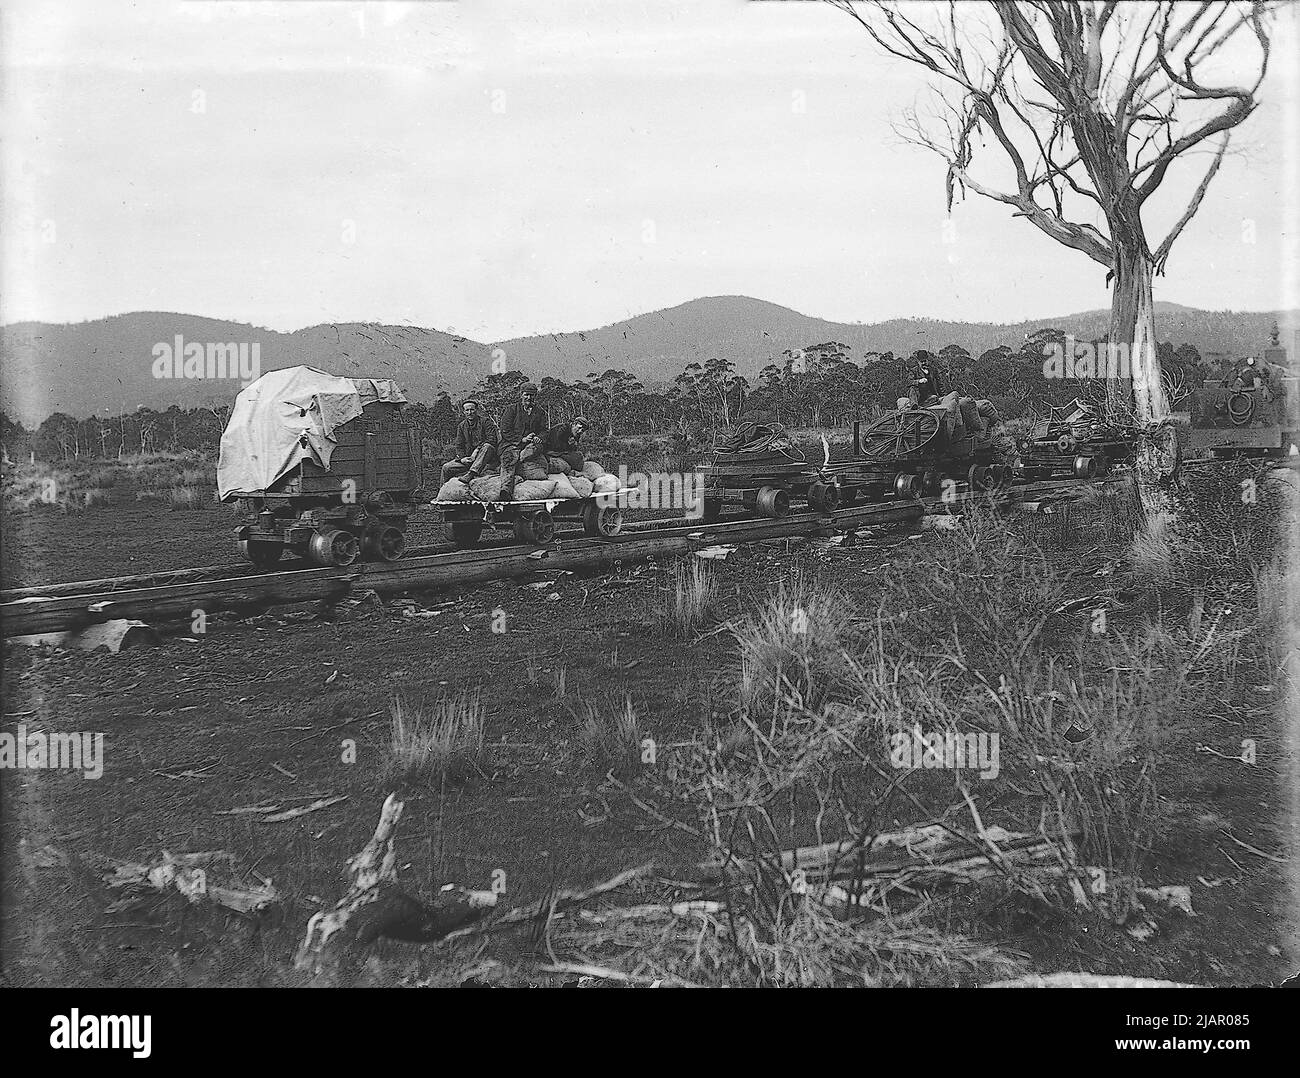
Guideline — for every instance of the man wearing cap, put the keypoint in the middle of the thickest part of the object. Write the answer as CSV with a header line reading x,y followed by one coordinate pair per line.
x,y
476,445
521,423
562,441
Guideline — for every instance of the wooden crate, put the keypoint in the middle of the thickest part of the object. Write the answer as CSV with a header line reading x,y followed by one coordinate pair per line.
x,y
376,451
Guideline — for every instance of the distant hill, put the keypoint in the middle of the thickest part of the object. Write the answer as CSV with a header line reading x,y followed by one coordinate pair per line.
x,y
752,333
107,364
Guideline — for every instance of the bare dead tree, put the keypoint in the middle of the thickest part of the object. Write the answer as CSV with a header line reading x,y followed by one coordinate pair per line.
x,y
1090,104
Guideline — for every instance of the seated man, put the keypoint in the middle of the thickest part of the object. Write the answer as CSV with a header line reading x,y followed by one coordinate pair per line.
x,y
927,382
518,422
562,442
476,446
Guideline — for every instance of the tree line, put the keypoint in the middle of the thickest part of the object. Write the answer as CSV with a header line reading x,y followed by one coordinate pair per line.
x,y
817,386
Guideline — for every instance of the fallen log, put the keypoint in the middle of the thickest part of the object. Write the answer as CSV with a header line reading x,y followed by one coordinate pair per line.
x,y
375,906
190,875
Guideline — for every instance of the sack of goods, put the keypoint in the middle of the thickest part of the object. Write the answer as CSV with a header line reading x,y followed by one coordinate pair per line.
x,y
581,484
563,487
453,491
559,465
950,409
536,468
592,470
970,415
486,488
532,490
605,484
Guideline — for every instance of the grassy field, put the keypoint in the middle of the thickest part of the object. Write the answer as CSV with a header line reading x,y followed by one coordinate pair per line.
x,y
514,719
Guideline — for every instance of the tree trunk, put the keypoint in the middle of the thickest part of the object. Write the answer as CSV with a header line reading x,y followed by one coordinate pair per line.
x,y
1133,326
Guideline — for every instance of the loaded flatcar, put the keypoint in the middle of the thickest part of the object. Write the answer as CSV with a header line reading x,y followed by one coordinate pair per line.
x,y
1077,440
759,466
910,452
323,467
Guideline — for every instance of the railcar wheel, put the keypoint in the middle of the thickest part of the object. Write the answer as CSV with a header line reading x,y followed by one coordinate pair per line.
x,y
263,556
537,527
465,534
1065,444
600,520
1085,467
772,502
383,542
824,497
981,477
848,496
333,546
907,484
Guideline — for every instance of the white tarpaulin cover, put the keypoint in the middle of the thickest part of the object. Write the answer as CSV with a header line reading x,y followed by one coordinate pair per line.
x,y
285,417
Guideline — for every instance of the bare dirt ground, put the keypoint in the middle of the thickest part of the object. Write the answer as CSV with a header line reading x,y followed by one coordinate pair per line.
x,y
262,711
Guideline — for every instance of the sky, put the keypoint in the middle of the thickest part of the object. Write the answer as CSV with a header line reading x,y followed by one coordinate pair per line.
x,y
502,169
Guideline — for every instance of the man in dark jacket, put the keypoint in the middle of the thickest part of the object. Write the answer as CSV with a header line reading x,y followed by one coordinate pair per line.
x,y
476,445
562,442
520,423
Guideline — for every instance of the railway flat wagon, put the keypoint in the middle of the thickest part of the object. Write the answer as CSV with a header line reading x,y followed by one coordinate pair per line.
x,y
323,467
909,452
1077,440
759,466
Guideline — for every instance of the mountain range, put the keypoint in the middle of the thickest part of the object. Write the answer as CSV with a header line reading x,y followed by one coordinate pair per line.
x,y
107,365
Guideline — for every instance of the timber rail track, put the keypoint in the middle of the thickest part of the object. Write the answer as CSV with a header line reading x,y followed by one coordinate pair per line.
x,y
174,596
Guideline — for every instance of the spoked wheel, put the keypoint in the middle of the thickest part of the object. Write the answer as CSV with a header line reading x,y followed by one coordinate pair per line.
x,y
537,527
264,556
898,434
824,497
464,534
605,520
383,542
333,546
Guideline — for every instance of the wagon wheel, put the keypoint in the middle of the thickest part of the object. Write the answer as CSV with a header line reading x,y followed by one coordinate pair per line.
x,y
537,527
383,542
898,434
603,520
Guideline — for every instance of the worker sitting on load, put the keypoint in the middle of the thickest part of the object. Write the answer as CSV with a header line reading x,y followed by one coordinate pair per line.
x,y
476,446
927,383
562,442
523,425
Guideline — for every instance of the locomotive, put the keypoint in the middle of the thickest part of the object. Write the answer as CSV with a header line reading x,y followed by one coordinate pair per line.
x,y
322,467
1253,412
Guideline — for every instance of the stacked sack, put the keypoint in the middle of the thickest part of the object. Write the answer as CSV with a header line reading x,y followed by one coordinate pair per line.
x,y
601,481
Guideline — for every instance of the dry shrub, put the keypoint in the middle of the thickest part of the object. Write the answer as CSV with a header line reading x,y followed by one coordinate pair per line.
x,y
612,737
791,649
693,601
432,742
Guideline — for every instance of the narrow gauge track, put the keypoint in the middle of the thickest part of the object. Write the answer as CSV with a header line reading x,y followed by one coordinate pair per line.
x,y
174,596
